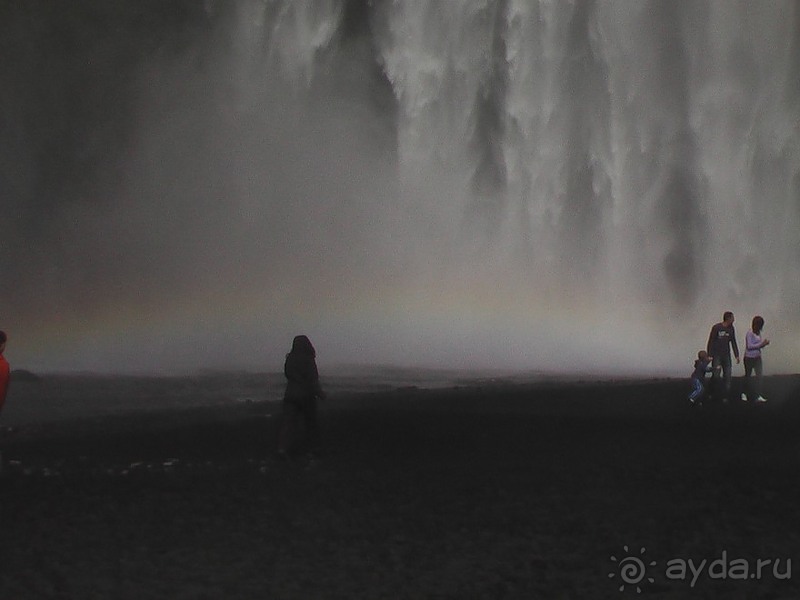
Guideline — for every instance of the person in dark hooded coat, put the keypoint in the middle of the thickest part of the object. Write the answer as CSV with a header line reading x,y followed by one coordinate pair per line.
x,y
300,399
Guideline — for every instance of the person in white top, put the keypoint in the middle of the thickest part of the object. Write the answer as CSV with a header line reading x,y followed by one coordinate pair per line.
x,y
752,360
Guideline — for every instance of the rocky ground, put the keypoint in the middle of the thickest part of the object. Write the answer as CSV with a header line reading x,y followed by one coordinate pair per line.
x,y
549,490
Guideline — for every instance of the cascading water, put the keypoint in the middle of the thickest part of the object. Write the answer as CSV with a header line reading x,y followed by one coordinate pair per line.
x,y
567,185
629,166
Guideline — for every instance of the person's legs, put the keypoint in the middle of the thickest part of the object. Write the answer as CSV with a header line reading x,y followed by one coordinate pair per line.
x,y
749,364
759,373
697,389
716,385
726,375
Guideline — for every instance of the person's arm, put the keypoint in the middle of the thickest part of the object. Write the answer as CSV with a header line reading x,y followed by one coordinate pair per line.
x,y
734,345
762,343
750,342
710,340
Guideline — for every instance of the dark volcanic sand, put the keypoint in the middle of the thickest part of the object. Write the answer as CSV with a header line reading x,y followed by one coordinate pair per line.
x,y
500,491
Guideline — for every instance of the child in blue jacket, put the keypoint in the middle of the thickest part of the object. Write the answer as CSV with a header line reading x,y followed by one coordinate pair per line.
x,y
701,366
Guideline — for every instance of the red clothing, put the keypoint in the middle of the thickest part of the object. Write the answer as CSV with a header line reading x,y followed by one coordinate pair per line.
x,y
5,376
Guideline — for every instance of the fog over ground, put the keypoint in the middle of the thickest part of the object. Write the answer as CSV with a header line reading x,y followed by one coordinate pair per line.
x,y
501,184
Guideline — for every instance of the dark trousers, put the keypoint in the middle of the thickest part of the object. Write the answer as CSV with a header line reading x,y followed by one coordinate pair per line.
x,y
721,389
299,415
752,385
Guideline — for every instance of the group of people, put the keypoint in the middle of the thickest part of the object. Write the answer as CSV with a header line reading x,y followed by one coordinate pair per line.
x,y
716,359
303,388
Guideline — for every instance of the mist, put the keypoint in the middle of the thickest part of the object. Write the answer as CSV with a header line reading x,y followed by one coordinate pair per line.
x,y
558,187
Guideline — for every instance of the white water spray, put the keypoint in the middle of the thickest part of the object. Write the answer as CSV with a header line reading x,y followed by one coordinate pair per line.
x,y
629,166
571,185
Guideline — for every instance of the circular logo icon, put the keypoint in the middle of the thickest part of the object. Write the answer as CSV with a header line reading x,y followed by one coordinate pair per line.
x,y
631,570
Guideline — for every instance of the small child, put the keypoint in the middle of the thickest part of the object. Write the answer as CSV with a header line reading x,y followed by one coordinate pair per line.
x,y
701,366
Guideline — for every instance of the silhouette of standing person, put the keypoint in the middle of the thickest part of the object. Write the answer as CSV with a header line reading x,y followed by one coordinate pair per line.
x,y
752,360
720,341
300,399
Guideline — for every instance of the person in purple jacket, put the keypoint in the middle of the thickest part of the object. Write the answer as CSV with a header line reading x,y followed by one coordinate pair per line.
x,y
720,342
752,360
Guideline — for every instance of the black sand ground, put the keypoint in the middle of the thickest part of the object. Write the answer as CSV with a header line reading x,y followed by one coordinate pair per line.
x,y
500,491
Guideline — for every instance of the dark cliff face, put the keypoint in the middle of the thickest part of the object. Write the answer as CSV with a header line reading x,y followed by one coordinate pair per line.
x,y
69,87
68,96
67,80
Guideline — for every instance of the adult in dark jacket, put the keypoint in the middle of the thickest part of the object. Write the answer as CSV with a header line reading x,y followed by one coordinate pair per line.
x,y
300,399
720,342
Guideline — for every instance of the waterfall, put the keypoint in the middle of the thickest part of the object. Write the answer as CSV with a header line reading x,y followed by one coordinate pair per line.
x,y
628,158
516,182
